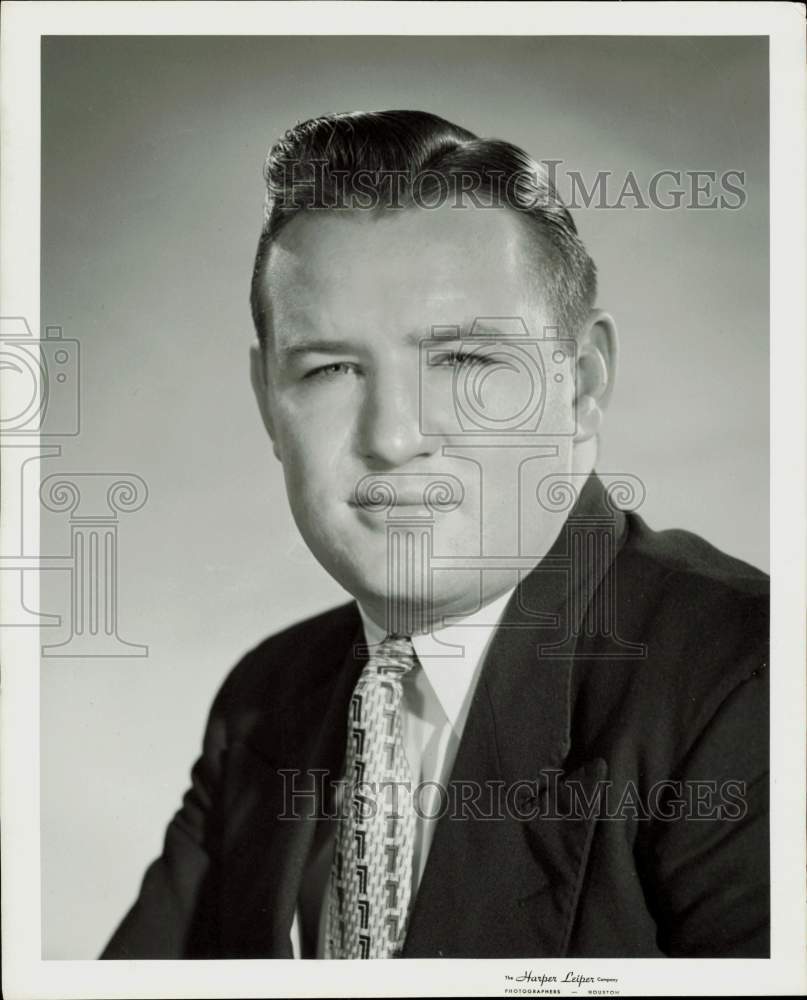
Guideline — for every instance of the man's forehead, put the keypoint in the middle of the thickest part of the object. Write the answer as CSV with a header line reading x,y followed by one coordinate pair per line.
x,y
303,308
443,265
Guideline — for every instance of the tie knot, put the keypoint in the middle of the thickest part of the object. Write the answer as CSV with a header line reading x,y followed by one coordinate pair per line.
x,y
394,656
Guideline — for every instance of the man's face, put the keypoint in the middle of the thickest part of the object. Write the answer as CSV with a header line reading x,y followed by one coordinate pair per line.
x,y
351,393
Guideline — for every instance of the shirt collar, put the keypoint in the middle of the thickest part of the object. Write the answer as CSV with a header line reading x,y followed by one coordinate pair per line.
x,y
451,655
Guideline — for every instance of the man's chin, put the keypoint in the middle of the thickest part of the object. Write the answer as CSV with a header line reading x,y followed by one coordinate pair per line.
x,y
408,613
409,594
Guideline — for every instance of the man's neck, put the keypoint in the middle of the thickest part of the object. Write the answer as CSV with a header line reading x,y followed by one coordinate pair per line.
x,y
489,609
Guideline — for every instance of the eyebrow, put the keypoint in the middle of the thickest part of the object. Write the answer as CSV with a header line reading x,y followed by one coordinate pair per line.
x,y
319,346
448,332
462,331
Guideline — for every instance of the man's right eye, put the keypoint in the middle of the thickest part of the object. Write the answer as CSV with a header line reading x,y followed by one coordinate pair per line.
x,y
332,371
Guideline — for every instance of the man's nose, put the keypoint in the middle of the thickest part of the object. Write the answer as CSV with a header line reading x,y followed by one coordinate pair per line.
x,y
391,433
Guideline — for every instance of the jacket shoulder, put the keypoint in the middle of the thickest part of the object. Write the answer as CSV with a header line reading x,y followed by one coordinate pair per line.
x,y
688,646
701,615
679,581
697,562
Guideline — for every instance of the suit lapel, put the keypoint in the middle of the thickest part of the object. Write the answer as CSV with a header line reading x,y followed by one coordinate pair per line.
x,y
282,776
509,886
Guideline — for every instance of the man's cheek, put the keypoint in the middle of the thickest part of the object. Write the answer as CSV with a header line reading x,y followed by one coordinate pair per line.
x,y
321,426
313,478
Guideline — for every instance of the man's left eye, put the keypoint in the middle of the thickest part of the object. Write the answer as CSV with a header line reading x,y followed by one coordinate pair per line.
x,y
465,359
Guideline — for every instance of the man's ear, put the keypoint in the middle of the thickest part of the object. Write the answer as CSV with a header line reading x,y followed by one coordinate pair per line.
x,y
260,386
597,356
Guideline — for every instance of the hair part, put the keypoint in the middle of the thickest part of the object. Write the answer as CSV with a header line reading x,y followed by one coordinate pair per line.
x,y
394,160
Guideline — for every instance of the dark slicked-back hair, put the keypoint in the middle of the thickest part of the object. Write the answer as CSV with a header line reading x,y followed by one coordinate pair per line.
x,y
394,160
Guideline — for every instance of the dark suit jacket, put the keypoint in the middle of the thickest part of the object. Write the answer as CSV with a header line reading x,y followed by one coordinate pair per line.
x,y
630,664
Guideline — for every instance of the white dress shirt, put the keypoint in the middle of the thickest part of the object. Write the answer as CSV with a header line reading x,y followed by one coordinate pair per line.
x,y
436,699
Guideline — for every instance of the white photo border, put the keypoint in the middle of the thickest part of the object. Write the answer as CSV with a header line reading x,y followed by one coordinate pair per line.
x,y
25,974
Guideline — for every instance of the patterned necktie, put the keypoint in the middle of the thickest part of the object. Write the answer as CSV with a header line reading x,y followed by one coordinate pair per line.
x,y
371,877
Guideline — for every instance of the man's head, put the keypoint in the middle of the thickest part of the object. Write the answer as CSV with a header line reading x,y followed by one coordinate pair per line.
x,y
404,261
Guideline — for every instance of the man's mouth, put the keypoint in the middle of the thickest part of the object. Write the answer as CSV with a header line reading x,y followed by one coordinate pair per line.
x,y
433,492
366,503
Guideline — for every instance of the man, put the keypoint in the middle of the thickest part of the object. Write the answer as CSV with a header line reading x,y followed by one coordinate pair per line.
x,y
541,728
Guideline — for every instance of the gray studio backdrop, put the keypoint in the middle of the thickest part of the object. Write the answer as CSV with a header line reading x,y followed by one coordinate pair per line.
x,y
152,197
